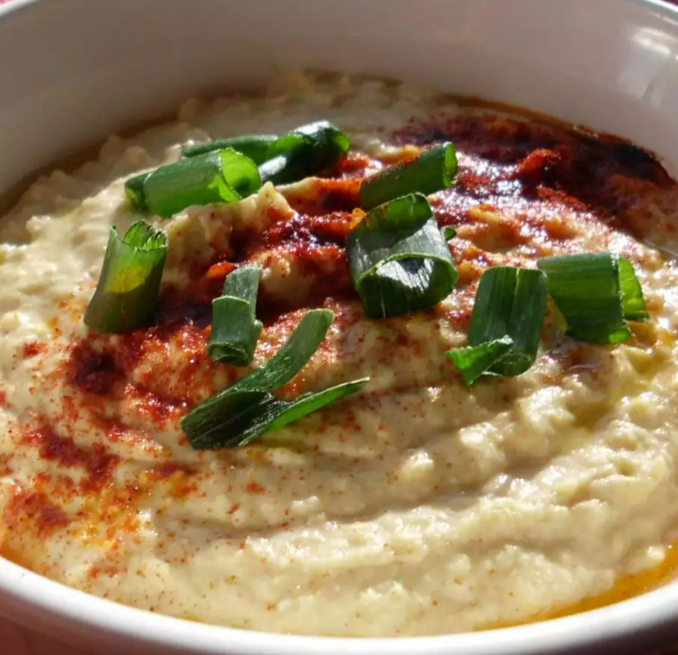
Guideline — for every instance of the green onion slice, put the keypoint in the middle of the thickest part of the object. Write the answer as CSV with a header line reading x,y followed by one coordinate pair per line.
x,y
306,151
127,292
312,401
399,260
506,324
279,370
249,414
134,190
633,303
235,329
596,294
279,170
293,356
254,146
220,176
226,422
448,232
247,409
434,170
476,361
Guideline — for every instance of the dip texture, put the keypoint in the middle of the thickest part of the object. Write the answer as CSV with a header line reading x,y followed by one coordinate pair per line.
x,y
417,507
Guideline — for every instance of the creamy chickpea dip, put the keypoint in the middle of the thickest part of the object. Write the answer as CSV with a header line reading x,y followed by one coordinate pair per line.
x,y
418,506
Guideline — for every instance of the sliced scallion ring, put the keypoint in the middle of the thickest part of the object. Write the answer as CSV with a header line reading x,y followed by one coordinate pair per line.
x,y
633,302
278,170
400,262
506,323
254,146
235,329
587,288
305,151
476,361
434,170
220,176
127,292
134,190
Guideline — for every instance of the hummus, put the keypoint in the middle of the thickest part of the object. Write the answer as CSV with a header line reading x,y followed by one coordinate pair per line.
x,y
419,506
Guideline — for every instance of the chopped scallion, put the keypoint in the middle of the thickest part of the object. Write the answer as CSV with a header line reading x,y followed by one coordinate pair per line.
x,y
305,151
587,288
220,176
248,409
434,170
249,414
254,146
633,303
278,171
506,324
127,292
134,190
294,354
448,232
476,361
227,422
312,401
235,329
399,260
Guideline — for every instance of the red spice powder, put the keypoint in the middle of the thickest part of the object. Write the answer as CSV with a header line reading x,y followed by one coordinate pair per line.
x,y
97,462
93,372
32,348
44,515
255,488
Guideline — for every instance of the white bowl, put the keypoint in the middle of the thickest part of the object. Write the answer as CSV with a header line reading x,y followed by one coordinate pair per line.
x,y
72,71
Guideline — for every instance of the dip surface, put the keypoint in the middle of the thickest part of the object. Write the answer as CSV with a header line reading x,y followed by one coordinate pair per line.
x,y
417,507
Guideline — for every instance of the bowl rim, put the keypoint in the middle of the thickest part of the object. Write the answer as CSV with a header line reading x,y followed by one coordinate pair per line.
x,y
93,615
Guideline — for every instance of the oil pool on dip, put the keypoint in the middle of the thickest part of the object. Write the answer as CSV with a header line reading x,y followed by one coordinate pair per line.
x,y
359,359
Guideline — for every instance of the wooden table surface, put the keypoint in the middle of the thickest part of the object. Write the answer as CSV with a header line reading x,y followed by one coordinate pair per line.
x,y
19,641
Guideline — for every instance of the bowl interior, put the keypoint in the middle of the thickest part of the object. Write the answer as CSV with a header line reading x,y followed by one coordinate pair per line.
x,y
606,64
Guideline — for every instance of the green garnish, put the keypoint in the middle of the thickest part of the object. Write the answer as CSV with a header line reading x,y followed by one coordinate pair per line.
x,y
400,262
247,409
246,415
254,146
279,170
434,170
303,152
476,361
633,303
506,324
293,356
134,190
220,176
235,329
448,232
596,294
127,292
290,411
